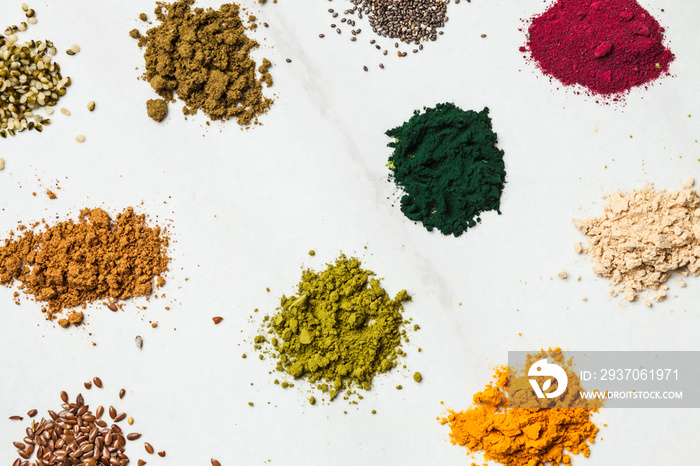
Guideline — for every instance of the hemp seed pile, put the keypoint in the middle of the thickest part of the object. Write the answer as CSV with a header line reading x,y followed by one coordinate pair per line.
x,y
71,264
642,237
29,80
203,57
340,329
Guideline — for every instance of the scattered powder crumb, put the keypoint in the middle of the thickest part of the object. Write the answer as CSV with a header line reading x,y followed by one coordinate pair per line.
x,y
584,299
659,297
143,17
157,109
647,303
562,274
578,247
51,194
74,318
682,283
642,237
2,163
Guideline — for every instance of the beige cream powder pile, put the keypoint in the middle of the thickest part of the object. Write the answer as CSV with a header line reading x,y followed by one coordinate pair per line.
x,y
642,237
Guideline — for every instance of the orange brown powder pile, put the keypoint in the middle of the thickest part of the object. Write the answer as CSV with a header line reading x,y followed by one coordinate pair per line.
x,y
70,264
523,436
203,57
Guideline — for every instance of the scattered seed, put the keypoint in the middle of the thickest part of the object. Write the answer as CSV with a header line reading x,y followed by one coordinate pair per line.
x,y
65,111
122,392
215,462
120,417
79,400
80,138
91,105
16,418
161,454
2,163
112,412
148,447
141,462
321,36
133,436
139,342
48,111
88,385
64,397
266,25
217,320
75,48
365,68
112,307
130,421
483,35
289,60
99,412
381,65
31,412
97,381
32,20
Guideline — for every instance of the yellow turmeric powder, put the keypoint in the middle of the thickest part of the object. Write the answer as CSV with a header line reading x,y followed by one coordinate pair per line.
x,y
524,436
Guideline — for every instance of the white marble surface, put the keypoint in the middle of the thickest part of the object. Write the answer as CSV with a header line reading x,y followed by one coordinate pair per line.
x,y
246,206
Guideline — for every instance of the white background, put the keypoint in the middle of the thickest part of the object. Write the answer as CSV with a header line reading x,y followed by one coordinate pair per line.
x,y
246,206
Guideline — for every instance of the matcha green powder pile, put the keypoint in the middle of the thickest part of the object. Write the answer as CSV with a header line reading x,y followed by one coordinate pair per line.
x,y
446,163
339,330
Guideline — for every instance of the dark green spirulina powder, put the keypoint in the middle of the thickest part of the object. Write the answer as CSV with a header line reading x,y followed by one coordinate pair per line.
x,y
446,162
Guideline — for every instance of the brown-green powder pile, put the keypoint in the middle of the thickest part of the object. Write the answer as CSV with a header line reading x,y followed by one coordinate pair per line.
x,y
339,330
203,57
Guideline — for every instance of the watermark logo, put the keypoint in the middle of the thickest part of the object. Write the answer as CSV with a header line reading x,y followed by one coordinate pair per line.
x,y
543,368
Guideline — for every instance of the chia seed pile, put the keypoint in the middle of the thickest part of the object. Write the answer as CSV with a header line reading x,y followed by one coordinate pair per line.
x,y
409,21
